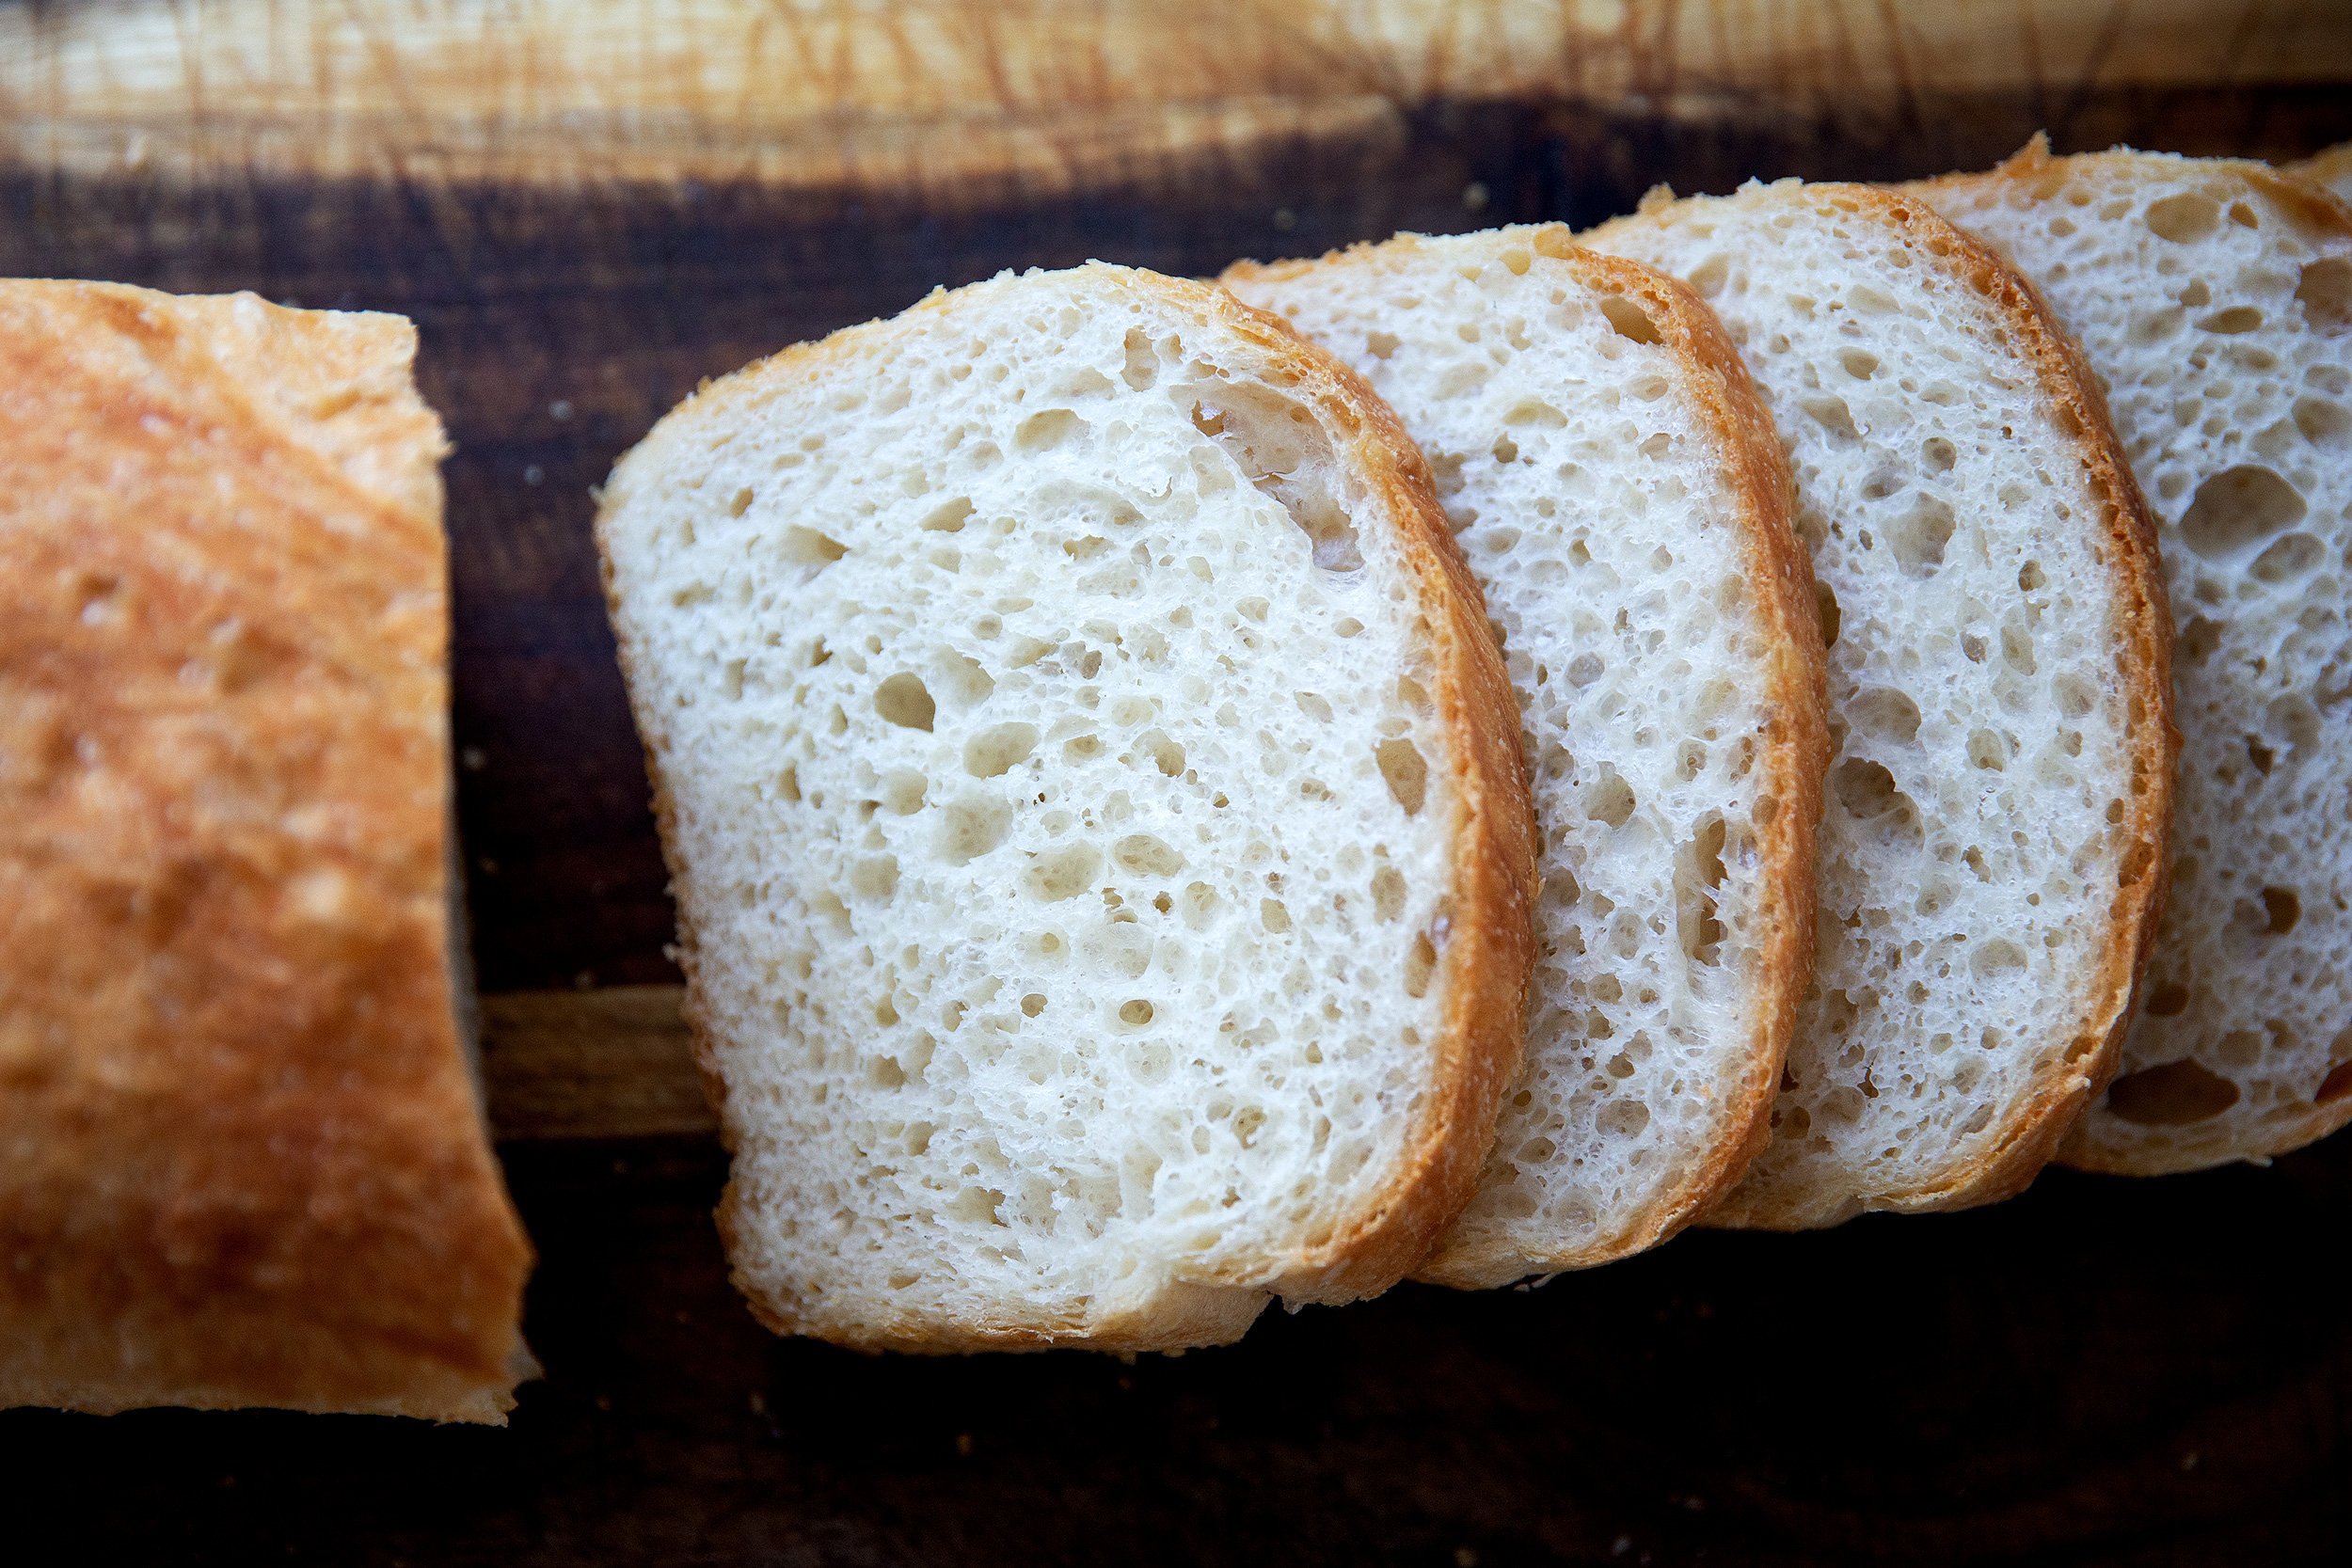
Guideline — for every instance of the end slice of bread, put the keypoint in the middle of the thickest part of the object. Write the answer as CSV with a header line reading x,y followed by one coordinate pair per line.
x,y
1624,499
1991,850
242,1160
2214,301
1093,796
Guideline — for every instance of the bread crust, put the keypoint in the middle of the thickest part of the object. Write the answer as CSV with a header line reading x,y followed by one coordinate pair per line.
x,y
1793,759
2330,168
2081,1051
242,1158
1488,951
2034,172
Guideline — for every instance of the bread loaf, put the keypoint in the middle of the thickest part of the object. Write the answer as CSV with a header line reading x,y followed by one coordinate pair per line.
x,y
1092,794
1623,499
1991,848
2215,300
242,1160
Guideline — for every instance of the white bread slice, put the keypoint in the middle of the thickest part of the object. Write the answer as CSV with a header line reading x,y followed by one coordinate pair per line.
x,y
2214,301
2331,168
1990,844
1624,499
1094,797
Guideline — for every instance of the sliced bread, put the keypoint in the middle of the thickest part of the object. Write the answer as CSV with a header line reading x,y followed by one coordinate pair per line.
x,y
242,1157
1991,845
1093,796
2214,301
1623,500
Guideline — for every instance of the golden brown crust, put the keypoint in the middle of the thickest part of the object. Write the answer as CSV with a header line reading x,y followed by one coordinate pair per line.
x,y
242,1160
1793,758
1490,951
2033,174
2085,1049
2330,168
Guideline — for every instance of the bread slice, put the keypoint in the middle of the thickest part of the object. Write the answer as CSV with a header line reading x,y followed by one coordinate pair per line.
x,y
2214,301
1991,845
1622,497
1094,797
2331,168
242,1158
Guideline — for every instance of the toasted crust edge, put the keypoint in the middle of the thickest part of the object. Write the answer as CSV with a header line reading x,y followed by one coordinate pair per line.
x,y
2298,188
1762,491
2080,1056
1486,965
334,392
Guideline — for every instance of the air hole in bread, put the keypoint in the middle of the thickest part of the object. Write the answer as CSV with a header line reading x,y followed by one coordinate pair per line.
x,y
905,701
2167,999
2173,1095
1611,799
2323,423
1919,535
2281,910
1996,958
2236,318
1858,364
1884,712
2238,507
997,750
949,517
2326,292
1698,889
1406,773
1284,453
2183,218
1420,964
1629,319
1825,602
1831,414
806,547
2287,559
1142,363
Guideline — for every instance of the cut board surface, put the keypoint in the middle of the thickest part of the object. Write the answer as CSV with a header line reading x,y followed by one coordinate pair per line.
x,y
588,209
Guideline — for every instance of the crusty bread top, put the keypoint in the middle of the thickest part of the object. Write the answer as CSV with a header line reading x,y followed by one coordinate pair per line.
x,y
2331,168
2213,299
917,499
1662,492
241,1160
1845,1134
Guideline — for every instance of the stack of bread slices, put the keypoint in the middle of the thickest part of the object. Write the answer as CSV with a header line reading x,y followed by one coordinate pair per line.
x,y
1462,757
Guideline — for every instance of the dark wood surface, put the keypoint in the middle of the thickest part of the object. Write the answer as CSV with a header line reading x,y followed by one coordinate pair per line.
x,y
2101,1372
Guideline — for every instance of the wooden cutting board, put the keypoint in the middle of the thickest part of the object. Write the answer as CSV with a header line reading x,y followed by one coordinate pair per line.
x,y
589,207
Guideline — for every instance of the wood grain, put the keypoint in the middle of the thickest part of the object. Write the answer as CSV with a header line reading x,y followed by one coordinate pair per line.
x,y
962,100
615,1063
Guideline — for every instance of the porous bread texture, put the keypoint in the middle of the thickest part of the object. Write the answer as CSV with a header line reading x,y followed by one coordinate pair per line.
x,y
2331,168
1990,841
1625,502
2213,299
1092,791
